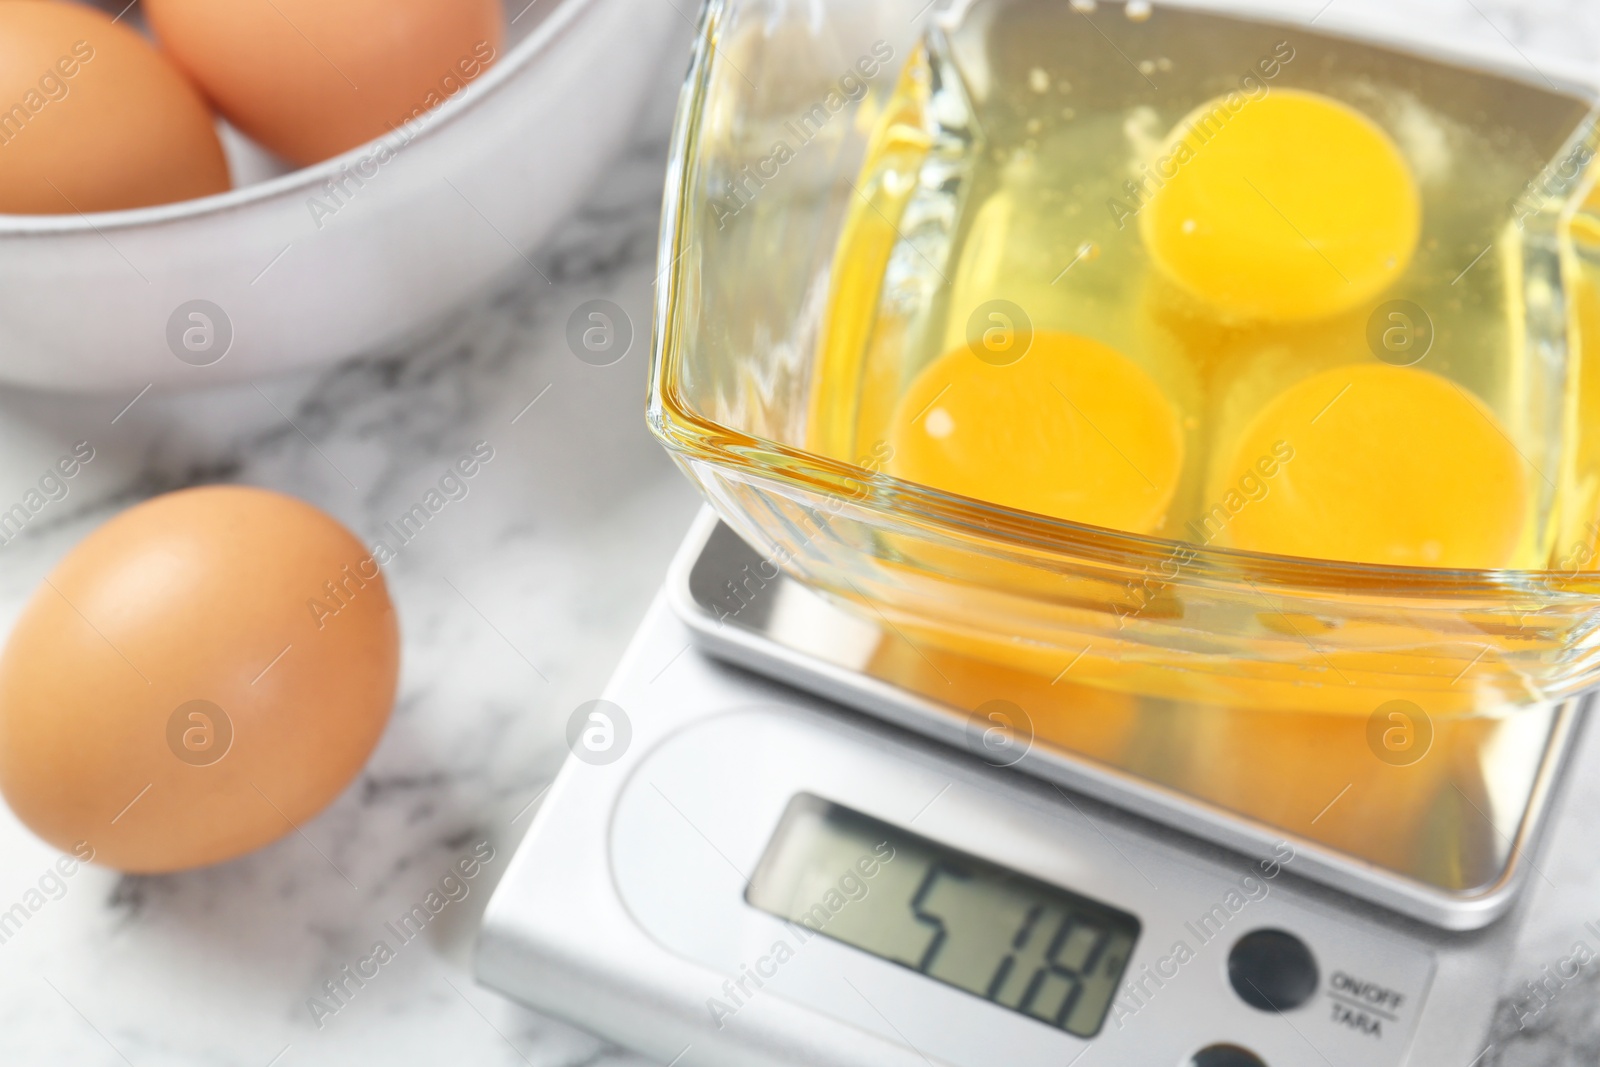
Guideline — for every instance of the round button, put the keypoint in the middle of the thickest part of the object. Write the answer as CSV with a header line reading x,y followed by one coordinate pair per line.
x,y
1226,1056
1272,970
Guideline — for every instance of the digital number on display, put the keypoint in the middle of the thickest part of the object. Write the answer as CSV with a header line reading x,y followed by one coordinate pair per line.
x,y
1014,940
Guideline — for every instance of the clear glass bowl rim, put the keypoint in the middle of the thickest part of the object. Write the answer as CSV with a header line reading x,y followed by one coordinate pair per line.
x,y
682,430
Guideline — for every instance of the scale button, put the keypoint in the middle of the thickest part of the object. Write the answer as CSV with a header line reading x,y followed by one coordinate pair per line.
x,y
1226,1056
1272,970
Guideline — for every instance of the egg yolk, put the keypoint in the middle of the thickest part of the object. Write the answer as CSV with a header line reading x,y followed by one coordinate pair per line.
x,y
1388,465
1287,207
1073,430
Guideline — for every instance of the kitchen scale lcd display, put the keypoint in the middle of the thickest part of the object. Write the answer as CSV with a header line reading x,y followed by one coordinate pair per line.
x,y
1025,945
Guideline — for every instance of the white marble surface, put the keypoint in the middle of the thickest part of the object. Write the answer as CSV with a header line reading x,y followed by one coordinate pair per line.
x,y
558,547
555,554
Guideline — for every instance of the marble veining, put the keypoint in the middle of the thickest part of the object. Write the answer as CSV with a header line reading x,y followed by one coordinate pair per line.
x,y
515,603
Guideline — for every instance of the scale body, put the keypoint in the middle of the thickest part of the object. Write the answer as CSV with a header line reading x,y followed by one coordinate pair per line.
x,y
628,907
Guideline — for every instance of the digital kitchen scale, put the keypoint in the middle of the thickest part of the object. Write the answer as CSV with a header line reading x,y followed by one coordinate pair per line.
x,y
741,868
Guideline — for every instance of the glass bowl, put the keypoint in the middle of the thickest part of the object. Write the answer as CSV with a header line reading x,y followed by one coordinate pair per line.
x,y
767,169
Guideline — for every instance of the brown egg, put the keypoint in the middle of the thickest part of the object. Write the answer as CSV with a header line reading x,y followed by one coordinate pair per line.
x,y
312,78
198,677
93,118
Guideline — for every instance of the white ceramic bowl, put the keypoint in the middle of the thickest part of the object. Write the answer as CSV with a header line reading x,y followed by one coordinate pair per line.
x,y
109,301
